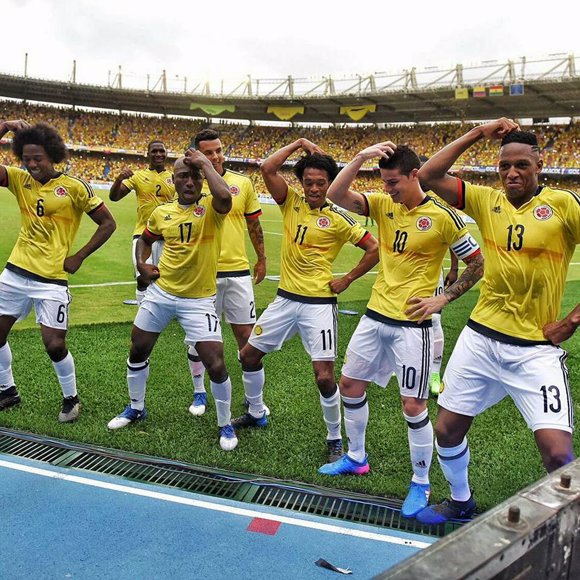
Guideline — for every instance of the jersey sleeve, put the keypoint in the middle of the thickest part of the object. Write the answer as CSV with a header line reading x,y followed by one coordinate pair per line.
x,y
471,198
373,205
252,208
291,198
130,182
16,179
153,228
572,216
84,197
457,236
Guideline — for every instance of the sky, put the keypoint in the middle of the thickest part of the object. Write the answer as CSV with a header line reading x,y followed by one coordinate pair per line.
x,y
231,39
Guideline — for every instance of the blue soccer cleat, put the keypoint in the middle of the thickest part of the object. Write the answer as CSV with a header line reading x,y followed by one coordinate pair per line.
x,y
248,420
447,510
416,500
346,466
129,415
199,404
228,439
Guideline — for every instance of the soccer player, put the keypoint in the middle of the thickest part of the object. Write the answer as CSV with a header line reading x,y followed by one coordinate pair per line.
x,y
395,334
509,344
235,295
51,207
314,232
183,286
153,186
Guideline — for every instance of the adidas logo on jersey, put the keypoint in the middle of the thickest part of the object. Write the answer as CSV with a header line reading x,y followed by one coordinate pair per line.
x,y
390,215
497,209
167,218
27,186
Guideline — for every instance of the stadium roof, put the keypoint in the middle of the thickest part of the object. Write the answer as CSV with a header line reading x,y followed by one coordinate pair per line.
x,y
516,89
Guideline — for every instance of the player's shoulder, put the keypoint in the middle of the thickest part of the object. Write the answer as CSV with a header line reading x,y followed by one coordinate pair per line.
x,y
339,214
559,196
74,183
236,177
445,211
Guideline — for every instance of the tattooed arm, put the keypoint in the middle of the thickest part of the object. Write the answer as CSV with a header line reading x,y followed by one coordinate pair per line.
x,y
421,308
257,238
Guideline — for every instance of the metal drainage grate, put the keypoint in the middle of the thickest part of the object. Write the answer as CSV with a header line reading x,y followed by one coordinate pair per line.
x,y
203,480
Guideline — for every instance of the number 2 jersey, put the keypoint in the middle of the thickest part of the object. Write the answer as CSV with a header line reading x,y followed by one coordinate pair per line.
x,y
192,234
412,245
50,218
527,253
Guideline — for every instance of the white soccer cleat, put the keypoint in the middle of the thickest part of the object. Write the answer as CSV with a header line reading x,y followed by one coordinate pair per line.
x,y
197,408
228,439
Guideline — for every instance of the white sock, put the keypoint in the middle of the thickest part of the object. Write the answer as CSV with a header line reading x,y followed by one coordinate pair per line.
x,y
222,394
454,462
137,374
331,413
254,388
65,371
6,377
356,417
139,295
438,343
197,370
420,433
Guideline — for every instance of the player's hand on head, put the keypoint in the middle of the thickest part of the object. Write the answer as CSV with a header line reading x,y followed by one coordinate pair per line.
x,y
16,125
384,149
499,128
195,158
310,147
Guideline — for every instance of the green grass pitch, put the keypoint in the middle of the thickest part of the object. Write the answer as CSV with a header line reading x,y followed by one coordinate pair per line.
x,y
504,457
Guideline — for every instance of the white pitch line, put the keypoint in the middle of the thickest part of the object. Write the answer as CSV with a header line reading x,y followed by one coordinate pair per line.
x,y
215,507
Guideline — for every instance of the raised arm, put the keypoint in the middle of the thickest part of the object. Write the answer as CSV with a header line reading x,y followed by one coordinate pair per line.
x,y
271,167
339,191
222,198
370,259
433,173
118,190
561,330
105,227
6,127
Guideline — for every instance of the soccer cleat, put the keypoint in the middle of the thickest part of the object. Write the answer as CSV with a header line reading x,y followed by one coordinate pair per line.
x,y
435,384
334,449
199,404
70,409
9,398
449,509
247,420
129,415
247,405
346,466
228,439
416,500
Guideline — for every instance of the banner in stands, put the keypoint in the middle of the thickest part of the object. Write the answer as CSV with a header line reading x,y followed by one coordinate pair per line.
x,y
285,113
357,113
212,110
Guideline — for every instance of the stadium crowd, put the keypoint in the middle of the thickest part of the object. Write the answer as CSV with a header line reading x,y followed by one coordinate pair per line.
x,y
116,140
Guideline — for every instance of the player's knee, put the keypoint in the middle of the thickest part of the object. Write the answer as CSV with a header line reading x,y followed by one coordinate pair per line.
x,y
556,459
217,371
412,406
447,435
326,383
55,349
251,359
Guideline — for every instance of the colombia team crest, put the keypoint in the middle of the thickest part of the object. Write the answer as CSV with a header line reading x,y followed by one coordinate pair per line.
x,y
199,211
234,189
169,181
323,222
543,212
424,223
60,191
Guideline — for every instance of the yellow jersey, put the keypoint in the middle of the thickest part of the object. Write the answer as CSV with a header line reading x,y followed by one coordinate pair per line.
x,y
311,241
50,215
412,245
245,205
152,188
192,234
527,253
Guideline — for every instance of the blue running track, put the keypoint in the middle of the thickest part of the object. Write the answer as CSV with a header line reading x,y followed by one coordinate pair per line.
x,y
66,523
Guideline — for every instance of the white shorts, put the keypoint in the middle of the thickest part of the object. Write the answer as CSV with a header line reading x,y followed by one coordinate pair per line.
x,y
197,316
482,371
377,350
19,294
235,300
156,250
317,325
